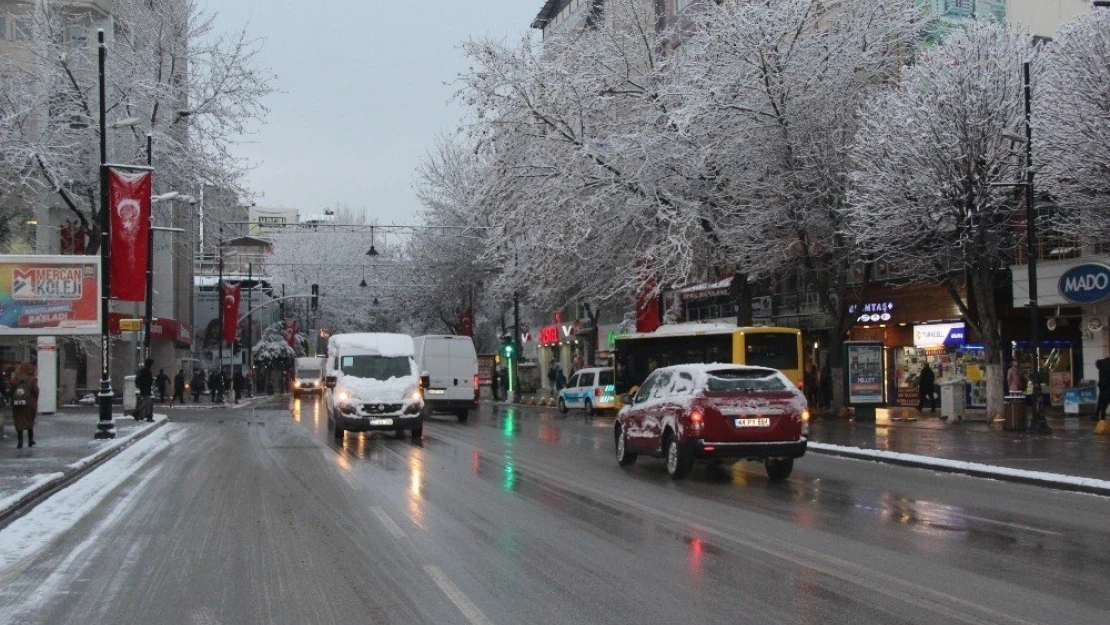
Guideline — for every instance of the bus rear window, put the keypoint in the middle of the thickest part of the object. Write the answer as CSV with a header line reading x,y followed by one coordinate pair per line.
x,y
777,351
742,380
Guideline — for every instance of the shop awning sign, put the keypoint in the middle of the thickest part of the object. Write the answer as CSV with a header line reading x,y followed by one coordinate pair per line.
x,y
1086,284
939,335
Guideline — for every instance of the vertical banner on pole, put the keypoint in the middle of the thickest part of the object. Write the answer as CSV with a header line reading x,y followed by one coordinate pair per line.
x,y
230,302
129,206
289,330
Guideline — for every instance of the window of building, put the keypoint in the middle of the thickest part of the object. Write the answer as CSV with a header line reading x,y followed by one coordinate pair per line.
x,y
21,29
3,28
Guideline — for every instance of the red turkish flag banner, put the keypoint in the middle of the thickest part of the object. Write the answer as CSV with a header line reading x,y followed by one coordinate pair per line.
x,y
466,322
647,305
229,299
289,330
129,232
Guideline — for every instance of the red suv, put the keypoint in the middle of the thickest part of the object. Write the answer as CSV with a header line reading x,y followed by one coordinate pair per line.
x,y
714,412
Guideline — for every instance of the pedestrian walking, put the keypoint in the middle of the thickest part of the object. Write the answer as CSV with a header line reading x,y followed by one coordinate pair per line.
x,y
560,377
824,387
161,382
178,388
809,384
144,381
25,402
198,385
551,373
927,389
238,384
1103,367
213,385
495,384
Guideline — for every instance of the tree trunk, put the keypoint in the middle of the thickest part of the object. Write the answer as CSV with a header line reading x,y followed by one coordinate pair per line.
x,y
742,298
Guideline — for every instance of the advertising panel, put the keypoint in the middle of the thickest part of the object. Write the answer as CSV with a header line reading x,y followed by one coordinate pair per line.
x,y
865,372
264,221
939,335
49,295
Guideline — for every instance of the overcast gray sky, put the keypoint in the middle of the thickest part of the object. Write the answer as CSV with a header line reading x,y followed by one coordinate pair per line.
x,y
363,93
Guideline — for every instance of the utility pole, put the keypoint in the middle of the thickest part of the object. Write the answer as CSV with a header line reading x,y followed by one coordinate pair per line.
x,y
1039,424
105,426
514,373
148,316
220,305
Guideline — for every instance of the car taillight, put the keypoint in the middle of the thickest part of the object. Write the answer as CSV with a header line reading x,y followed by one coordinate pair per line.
x,y
474,381
696,420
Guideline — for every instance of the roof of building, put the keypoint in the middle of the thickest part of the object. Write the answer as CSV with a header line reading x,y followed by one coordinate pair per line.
x,y
550,9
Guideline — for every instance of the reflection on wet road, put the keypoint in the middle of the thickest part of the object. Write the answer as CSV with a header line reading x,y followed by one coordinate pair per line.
x,y
532,518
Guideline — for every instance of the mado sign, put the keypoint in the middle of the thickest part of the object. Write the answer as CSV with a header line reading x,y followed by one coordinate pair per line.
x,y
1086,284
938,334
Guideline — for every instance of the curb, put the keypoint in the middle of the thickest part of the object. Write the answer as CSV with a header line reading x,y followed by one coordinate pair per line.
x,y
32,497
1054,481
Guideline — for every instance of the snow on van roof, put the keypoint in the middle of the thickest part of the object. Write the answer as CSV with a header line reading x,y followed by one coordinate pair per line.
x,y
380,342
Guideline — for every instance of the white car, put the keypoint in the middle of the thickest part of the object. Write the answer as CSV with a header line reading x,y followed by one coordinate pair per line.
x,y
590,389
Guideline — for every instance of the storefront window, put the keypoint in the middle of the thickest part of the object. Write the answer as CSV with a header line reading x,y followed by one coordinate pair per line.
x,y
1056,371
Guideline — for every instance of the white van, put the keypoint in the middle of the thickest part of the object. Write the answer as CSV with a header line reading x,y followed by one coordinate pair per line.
x,y
373,384
451,365
308,375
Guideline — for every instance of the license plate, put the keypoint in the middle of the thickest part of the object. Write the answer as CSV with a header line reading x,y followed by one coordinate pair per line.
x,y
436,391
762,422
381,421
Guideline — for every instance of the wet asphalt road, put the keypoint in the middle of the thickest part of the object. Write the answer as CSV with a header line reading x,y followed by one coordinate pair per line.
x,y
522,517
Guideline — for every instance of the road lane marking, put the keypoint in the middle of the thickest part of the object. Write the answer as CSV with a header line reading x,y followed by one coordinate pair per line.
x,y
468,609
389,523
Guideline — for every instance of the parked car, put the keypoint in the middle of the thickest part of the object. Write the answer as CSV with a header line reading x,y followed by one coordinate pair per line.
x,y
590,389
722,413
451,365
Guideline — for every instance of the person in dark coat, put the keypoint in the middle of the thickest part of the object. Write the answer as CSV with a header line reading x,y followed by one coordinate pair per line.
x,y
214,380
238,384
162,382
809,383
198,385
144,381
824,387
1103,367
926,388
178,388
495,384
24,395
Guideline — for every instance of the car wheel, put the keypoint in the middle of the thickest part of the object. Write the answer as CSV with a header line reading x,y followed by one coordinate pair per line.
x,y
624,457
562,406
779,468
462,415
679,462
589,408
418,433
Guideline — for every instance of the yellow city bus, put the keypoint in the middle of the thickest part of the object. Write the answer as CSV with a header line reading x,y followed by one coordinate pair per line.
x,y
638,354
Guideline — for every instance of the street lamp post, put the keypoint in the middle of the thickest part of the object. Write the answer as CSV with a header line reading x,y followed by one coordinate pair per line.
x,y
148,316
105,427
1038,422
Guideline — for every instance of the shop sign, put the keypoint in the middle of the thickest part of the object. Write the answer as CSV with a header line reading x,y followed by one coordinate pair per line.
x,y
762,307
1086,284
939,335
549,334
874,312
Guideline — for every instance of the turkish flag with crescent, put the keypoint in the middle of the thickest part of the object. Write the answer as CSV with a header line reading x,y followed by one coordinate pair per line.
x,y
129,234
289,330
466,322
229,300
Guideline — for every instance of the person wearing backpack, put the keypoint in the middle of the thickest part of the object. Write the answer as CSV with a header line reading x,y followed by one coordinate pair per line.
x,y
25,402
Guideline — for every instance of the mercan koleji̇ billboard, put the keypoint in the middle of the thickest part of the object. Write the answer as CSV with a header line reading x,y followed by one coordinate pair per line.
x,y
49,295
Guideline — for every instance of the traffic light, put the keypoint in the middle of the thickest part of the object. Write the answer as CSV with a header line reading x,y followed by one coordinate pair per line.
x,y
507,348
315,296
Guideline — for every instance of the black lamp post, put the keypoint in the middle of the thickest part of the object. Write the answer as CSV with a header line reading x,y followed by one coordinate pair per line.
x,y
105,427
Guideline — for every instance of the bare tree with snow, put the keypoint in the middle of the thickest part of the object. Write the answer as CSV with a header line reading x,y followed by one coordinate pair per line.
x,y
193,91
1071,134
930,155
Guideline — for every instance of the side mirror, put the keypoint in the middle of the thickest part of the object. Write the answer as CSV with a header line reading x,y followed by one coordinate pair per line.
x,y
627,398
329,381
425,382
